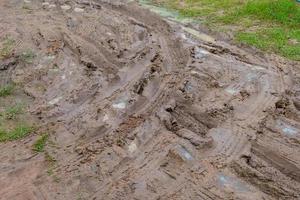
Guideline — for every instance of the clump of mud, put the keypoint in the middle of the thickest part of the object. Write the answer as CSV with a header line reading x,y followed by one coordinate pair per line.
x,y
140,108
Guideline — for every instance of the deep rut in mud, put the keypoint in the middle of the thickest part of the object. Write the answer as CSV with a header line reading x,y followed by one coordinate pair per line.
x,y
138,107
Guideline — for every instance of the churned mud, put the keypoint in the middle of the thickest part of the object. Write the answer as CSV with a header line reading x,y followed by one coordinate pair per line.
x,y
141,107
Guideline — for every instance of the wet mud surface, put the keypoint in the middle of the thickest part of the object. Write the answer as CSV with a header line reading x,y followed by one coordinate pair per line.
x,y
138,107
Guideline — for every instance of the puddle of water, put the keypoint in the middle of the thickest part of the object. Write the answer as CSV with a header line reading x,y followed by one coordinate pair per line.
x,y
185,154
176,17
199,35
251,77
231,90
167,13
287,129
200,53
120,104
232,183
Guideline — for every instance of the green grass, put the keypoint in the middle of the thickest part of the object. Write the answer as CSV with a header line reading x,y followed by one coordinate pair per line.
x,y
27,56
39,145
270,25
19,132
6,47
11,112
6,90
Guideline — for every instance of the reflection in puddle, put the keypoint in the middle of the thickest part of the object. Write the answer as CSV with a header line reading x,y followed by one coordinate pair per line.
x,y
185,154
200,53
231,90
287,129
121,104
232,183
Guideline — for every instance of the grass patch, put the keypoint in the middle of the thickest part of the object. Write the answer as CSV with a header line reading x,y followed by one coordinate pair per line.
x,y
39,145
11,113
6,90
6,47
19,132
27,56
270,25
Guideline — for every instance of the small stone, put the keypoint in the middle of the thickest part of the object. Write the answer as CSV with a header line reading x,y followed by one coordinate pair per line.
x,y
79,10
65,7
52,6
45,4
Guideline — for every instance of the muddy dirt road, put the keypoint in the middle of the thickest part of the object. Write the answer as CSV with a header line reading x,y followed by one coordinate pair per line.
x,y
138,107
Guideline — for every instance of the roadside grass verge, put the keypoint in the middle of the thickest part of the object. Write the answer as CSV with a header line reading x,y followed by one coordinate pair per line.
x,y
269,25
19,132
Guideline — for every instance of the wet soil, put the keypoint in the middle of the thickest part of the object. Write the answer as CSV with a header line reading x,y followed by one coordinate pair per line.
x,y
141,107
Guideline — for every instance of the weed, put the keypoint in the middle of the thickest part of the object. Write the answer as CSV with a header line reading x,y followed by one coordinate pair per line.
x,y
26,7
39,145
50,171
7,47
56,179
27,56
19,132
6,90
11,112
50,159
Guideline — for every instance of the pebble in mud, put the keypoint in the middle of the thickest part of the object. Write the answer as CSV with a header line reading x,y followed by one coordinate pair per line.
x,y
55,101
79,10
65,7
52,6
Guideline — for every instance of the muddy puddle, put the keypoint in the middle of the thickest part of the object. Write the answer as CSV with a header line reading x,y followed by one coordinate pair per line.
x,y
139,103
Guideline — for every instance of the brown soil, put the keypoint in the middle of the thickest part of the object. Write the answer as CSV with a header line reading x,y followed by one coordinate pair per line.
x,y
138,108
